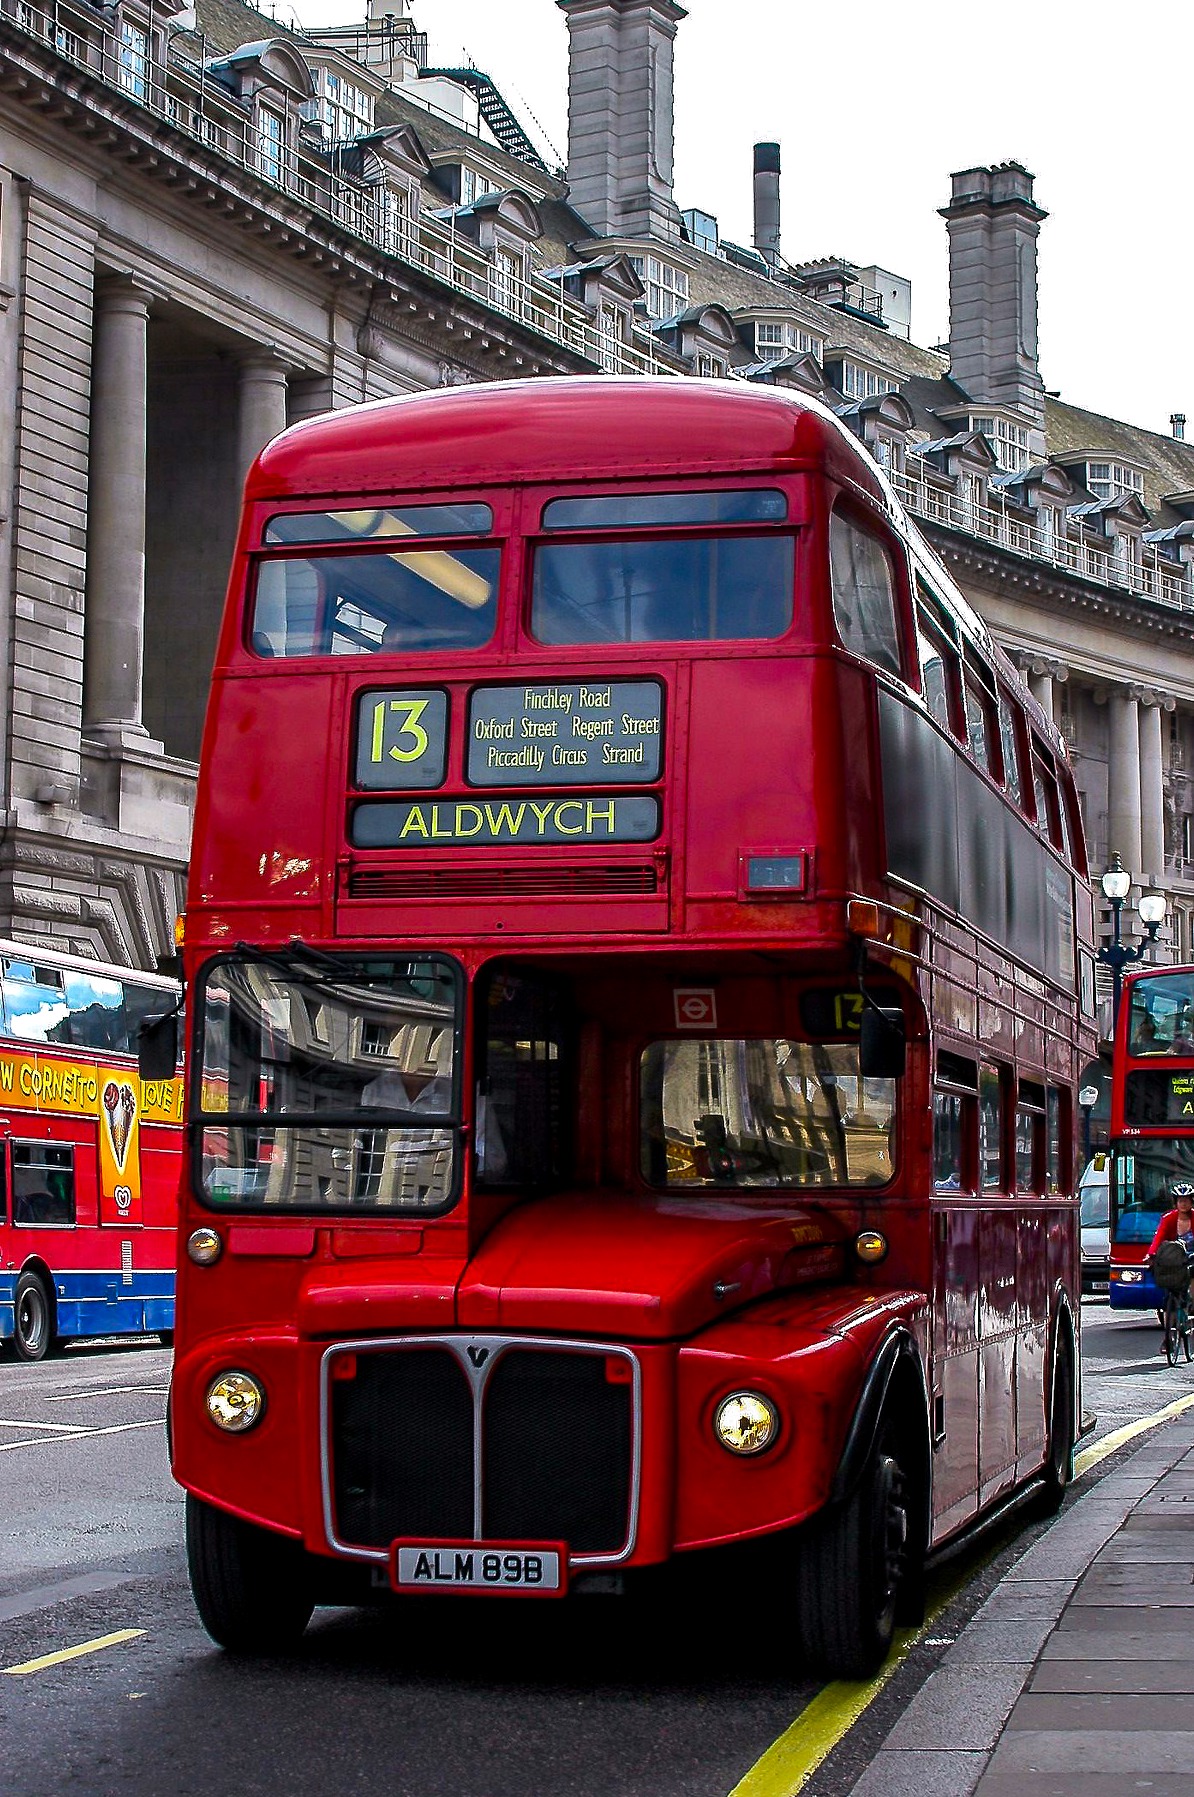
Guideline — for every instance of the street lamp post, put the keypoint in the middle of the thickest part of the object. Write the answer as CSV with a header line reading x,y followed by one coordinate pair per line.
x,y
1118,954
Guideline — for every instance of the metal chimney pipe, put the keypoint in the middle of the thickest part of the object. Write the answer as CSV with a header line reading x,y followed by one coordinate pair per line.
x,y
1177,424
767,202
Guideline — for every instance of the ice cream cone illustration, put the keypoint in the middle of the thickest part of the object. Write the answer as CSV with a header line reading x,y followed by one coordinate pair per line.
x,y
120,1110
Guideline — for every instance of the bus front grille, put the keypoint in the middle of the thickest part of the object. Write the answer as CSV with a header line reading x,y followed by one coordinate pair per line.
x,y
555,1426
619,879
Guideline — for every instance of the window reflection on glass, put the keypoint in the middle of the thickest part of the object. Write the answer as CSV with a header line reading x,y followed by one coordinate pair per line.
x,y
1028,1129
935,656
76,1008
402,602
863,594
1141,1182
371,1049
365,524
1161,1015
707,589
949,1140
1011,750
742,1114
606,511
990,1130
43,1185
1053,1127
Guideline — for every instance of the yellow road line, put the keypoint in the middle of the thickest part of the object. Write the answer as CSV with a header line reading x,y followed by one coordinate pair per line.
x,y
72,1653
1101,1449
790,1762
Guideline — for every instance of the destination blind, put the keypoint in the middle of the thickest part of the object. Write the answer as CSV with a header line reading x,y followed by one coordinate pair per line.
x,y
511,818
572,733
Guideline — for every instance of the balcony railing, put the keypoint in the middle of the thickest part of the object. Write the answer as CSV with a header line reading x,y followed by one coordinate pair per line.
x,y
181,91
1148,575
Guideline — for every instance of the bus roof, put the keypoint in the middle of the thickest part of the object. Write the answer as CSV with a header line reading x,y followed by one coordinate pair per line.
x,y
569,428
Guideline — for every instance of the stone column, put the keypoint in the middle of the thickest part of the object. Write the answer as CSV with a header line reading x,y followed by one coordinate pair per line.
x,y
114,622
262,407
1152,792
1123,778
1041,688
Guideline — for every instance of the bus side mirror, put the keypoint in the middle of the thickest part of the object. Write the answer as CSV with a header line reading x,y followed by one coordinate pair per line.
x,y
157,1047
882,1047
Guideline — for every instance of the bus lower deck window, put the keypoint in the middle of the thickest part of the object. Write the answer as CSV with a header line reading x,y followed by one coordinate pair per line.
x,y
743,1113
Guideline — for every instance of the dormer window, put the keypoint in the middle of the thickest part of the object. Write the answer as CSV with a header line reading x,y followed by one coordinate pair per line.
x,y
612,324
133,67
889,453
345,110
858,382
473,185
1008,440
271,143
397,212
774,340
1106,480
666,286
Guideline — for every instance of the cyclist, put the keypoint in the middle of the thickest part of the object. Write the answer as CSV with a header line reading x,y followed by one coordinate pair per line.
x,y
1172,1260
1177,1225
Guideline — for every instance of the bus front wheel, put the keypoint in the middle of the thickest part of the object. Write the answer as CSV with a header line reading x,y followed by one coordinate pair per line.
x,y
33,1322
849,1565
251,1587
1059,1466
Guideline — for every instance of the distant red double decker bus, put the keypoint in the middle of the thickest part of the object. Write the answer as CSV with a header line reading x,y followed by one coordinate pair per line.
x,y
639,954
1152,1122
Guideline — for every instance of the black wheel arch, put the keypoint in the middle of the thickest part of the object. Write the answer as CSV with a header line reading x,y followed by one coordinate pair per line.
x,y
896,1376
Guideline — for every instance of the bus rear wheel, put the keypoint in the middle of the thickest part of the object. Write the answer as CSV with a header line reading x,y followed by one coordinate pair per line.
x,y
33,1323
251,1587
849,1566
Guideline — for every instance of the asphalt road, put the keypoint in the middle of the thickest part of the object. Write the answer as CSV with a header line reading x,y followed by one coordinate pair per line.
x,y
671,1697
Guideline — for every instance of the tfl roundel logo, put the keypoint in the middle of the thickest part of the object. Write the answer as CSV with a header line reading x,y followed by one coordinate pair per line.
x,y
696,1007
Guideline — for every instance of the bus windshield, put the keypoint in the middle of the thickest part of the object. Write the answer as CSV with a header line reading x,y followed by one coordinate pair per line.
x,y
328,1086
1141,1182
735,1113
670,590
1161,1018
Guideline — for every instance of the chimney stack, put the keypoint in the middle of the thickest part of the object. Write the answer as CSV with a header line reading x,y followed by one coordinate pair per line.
x,y
766,237
1177,424
620,115
993,223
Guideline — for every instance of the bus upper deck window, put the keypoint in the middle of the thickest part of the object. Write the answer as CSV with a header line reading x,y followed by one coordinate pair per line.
x,y
639,511
366,524
863,594
400,601
665,590
1010,743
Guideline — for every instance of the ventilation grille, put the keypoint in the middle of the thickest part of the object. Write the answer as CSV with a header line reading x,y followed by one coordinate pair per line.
x,y
622,879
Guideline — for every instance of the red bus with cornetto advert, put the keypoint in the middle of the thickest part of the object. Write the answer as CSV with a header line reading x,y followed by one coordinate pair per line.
x,y
1152,1122
639,960
89,1155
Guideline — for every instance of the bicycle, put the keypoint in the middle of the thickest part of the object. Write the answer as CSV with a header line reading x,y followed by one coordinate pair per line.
x,y
1171,1271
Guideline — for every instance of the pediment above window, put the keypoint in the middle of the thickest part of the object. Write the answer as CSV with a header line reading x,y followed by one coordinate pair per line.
x,y
399,146
272,63
515,211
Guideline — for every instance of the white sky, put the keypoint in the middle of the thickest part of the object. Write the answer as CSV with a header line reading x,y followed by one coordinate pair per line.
x,y
874,104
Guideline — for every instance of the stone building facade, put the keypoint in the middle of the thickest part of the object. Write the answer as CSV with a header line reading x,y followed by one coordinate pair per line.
x,y
211,226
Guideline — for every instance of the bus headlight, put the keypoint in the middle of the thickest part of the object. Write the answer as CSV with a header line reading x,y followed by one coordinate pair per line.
x,y
235,1402
870,1247
746,1423
204,1247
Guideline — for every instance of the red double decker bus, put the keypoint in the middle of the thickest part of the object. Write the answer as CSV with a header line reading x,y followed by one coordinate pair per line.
x,y
640,959
1152,1122
89,1155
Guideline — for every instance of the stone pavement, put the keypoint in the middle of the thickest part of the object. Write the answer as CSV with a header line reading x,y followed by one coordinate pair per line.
x,y
1077,1674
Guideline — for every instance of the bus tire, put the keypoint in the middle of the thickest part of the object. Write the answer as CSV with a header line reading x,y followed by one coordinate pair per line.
x,y
1059,1462
251,1587
33,1318
849,1568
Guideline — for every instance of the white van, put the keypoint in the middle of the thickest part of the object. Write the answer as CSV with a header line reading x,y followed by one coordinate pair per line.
x,y
1094,1191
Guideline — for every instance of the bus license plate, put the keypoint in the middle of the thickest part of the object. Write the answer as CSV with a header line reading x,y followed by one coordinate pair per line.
x,y
511,1568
